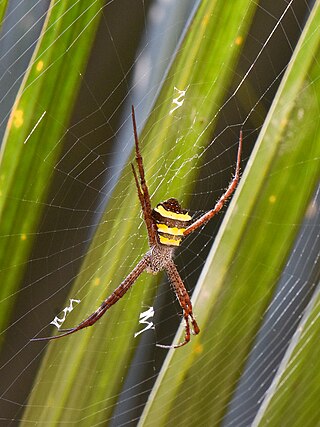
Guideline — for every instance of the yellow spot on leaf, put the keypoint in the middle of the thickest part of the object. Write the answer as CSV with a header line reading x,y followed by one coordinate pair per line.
x,y
16,118
23,236
198,348
272,198
96,281
205,20
239,40
39,66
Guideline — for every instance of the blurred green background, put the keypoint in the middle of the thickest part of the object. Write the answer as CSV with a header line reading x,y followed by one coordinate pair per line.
x,y
76,167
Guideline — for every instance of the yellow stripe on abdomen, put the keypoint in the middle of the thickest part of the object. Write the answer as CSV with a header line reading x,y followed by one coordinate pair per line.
x,y
172,215
174,231
169,242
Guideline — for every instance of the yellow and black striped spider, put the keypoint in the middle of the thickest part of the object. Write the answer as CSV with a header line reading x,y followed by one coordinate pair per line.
x,y
166,225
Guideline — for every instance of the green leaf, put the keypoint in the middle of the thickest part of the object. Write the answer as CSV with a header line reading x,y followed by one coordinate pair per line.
x,y
292,398
247,259
33,138
63,389
3,8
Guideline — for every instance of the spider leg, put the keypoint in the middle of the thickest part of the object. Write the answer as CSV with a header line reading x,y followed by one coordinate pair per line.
x,y
140,194
107,303
143,191
220,203
185,303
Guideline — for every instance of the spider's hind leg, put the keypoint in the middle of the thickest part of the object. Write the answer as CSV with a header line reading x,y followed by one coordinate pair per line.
x,y
185,303
187,336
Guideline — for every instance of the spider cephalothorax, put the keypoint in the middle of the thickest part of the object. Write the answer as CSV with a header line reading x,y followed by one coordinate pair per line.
x,y
159,256
166,225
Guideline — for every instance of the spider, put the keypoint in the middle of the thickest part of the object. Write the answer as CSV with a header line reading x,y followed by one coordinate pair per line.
x,y
167,224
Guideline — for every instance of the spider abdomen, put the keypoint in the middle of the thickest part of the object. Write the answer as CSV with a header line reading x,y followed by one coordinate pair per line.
x,y
171,221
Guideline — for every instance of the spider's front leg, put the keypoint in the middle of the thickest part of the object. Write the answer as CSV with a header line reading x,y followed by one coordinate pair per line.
x,y
185,303
220,203
142,188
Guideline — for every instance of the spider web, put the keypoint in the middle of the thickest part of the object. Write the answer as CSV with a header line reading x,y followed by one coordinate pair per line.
x,y
133,47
